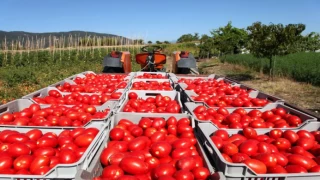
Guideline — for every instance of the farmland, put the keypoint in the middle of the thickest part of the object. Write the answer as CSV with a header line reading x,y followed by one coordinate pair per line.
x,y
24,71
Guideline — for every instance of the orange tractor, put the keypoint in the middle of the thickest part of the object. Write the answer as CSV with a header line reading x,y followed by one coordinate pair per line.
x,y
151,60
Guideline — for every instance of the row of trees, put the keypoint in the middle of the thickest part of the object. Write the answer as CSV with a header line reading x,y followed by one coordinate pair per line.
x,y
261,40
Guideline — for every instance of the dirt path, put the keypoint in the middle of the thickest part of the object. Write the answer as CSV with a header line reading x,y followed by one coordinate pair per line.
x,y
300,94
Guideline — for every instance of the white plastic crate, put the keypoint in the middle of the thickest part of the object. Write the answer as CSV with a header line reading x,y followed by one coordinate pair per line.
x,y
239,171
145,94
44,92
187,95
151,80
95,168
306,119
20,104
64,171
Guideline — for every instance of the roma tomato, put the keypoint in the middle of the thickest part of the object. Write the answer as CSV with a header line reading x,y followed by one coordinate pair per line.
x,y
160,149
112,172
256,165
133,165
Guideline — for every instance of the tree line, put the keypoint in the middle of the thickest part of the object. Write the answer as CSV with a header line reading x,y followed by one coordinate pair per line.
x,y
260,40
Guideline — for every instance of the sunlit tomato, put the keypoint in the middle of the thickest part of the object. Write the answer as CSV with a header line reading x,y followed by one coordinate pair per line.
x,y
112,172
256,165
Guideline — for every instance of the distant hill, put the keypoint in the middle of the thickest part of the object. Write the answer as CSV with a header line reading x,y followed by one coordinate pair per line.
x,y
19,35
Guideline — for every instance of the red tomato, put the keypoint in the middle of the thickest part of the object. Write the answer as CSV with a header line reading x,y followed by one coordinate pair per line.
x,y
275,133
239,157
145,123
18,149
256,165
282,144
229,149
5,162
112,172
277,170
39,161
291,136
45,151
305,162
315,169
160,149
22,162
249,147
269,160
187,163
305,143
34,134
164,170
133,165
15,138
84,140
183,174
249,133
180,153
133,95
138,143
295,169
47,142
305,134
200,173
223,134
67,156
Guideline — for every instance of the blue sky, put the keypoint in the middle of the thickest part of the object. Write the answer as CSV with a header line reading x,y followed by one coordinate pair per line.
x,y
152,20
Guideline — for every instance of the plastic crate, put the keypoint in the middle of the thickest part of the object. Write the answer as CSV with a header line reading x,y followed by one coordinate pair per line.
x,y
64,171
20,104
82,75
152,73
187,95
240,170
145,94
44,92
189,107
183,86
95,168
176,78
150,80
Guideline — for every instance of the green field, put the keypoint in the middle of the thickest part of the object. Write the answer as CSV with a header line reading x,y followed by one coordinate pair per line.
x,y
24,72
303,67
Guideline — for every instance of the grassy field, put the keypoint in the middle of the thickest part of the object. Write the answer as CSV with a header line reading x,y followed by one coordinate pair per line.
x,y
302,67
22,73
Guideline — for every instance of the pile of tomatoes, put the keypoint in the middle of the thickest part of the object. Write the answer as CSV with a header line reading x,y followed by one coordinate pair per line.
x,y
152,85
240,118
231,101
158,104
100,79
55,97
151,76
93,83
154,148
36,152
54,115
91,88
213,87
276,152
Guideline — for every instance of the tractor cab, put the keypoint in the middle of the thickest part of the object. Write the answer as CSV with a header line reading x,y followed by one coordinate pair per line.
x,y
184,63
117,62
151,59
